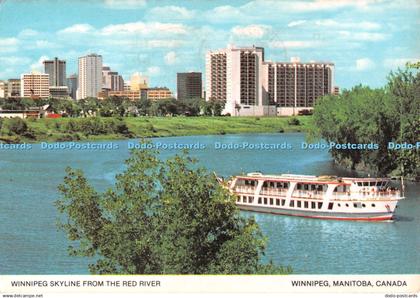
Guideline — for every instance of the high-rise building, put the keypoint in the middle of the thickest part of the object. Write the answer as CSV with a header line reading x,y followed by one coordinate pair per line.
x,y
90,76
56,69
13,88
234,75
189,85
3,89
295,86
138,82
35,85
72,85
252,87
111,80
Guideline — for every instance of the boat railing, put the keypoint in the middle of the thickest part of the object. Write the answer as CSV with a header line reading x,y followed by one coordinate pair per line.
x,y
378,195
273,191
245,189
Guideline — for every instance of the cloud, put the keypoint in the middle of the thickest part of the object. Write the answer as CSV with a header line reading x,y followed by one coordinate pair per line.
x,y
28,33
162,43
394,63
170,58
77,28
363,36
9,44
45,44
125,4
293,44
296,23
253,31
142,28
38,65
14,61
153,71
330,23
363,64
170,12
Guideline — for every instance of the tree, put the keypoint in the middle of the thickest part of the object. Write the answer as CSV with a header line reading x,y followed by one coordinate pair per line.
x,y
162,217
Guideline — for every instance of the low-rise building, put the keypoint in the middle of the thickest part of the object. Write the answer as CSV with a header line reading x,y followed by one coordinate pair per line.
x,y
156,93
130,94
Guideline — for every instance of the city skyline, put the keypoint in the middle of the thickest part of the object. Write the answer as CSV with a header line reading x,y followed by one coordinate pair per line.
x,y
364,39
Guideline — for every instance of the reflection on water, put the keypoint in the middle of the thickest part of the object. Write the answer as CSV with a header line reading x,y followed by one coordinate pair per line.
x,y
31,243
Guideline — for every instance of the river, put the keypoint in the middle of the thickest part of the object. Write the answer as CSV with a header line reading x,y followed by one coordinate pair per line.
x,y
31,244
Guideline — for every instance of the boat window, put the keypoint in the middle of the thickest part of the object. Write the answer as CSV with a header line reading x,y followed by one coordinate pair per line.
x,y
365,183
265,184
319,205
271,184
259,201
355,205
313,187
265,201
359,183
339,205
320,187
292,203
313,205
347,205
250,199
373,205
363,205
278,202
238,199
305,186
283,202
245,199
330,206
299,204
335,189
306,204
299,186
271,201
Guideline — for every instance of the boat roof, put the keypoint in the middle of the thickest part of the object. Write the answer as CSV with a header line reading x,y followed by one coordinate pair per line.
x,y
311,178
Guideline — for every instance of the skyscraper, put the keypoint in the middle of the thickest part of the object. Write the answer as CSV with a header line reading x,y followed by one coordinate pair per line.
x,y
111,80
234,75
189,85
56,69
90,76
72,85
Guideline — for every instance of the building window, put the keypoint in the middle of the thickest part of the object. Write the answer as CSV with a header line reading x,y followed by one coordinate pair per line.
x,y
292,203
330,206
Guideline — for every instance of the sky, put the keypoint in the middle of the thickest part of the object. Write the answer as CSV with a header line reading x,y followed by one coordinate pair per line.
x,y
366,39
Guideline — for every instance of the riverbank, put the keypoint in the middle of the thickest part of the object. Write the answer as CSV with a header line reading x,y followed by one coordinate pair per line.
x,y
112,128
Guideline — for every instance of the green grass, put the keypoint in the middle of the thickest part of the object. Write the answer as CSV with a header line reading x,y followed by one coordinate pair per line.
x,y
48,129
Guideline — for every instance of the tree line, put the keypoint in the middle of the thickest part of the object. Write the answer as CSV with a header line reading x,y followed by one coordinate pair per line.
x,y
382,115
119,106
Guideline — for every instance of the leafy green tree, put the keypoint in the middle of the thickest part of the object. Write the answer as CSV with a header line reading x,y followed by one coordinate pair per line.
x,y
363,115
168,217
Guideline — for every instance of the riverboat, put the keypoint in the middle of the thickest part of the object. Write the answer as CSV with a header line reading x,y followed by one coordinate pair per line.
x,y
324,197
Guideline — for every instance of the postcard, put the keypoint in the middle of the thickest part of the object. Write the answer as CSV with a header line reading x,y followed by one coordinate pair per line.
x,y
182,147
